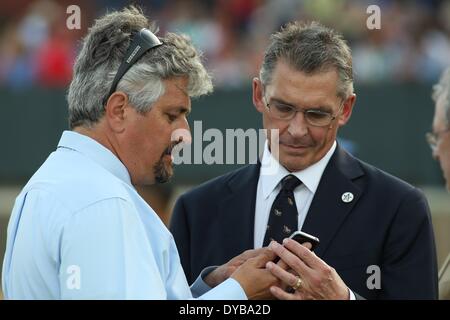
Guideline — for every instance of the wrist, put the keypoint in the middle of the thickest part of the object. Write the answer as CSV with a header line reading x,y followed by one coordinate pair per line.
x,y
243,283
212,279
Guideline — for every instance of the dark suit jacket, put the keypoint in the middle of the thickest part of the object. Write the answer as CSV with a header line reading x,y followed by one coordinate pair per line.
x,y
387,224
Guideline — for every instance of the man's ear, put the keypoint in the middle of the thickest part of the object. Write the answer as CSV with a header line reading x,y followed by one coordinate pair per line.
x,y
115,111
258,95
347,110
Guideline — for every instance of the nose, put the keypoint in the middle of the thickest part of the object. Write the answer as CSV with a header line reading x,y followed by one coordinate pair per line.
x,y
185,124
298,126
183,133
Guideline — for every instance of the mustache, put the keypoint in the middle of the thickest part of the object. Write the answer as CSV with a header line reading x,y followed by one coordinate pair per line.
x,y
173,144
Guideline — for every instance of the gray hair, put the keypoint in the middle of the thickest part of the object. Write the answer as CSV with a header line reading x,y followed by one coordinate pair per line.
x,y
103,49
310,48
442,90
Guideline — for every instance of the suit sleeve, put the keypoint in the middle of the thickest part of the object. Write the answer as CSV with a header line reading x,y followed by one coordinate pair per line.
x,y
180,229
409,269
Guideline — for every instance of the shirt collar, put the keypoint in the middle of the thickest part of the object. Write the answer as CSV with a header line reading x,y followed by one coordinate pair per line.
x,y
96,152
310,176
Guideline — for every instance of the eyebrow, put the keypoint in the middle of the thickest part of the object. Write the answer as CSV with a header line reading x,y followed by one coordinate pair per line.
x,y
321,108
181,110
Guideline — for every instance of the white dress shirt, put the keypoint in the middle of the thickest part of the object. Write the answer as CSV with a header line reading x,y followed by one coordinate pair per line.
x,y
269,186
79,230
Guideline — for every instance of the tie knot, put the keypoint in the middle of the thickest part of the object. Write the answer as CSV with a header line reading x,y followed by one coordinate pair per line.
x,y
290,182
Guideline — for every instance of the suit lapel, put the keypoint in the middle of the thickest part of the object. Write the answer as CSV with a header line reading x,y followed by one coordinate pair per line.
x,y
237,211
328,210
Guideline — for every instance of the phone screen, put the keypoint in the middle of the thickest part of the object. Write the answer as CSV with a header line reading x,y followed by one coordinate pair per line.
x,y
302,237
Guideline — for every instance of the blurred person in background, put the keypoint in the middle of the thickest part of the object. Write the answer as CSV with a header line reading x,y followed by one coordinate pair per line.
x,y
412,45
79,229
363,216
439,141
38,49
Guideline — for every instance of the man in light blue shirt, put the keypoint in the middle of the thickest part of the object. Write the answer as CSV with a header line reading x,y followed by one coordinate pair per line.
x,y
79,229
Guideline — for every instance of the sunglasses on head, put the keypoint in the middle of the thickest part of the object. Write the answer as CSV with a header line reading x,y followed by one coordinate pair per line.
x,y
142,41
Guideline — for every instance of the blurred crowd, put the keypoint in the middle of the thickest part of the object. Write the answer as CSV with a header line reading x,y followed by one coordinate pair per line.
x,y
37,49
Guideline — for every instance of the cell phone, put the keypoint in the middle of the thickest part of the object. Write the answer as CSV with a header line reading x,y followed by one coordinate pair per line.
x,y
302,237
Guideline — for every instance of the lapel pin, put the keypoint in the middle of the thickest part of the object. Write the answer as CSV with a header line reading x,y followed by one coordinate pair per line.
x,y
347,197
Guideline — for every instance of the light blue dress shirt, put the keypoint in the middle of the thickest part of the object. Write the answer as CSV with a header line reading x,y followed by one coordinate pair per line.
x,y
79,230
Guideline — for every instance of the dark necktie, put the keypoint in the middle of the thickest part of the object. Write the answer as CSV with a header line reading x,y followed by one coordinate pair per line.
x,y
283,217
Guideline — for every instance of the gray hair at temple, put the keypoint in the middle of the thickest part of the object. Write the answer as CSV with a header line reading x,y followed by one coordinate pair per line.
x,y
103,49
441,90
310,48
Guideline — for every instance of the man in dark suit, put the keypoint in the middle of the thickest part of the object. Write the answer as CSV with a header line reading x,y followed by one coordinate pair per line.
x,y
439,141
375,231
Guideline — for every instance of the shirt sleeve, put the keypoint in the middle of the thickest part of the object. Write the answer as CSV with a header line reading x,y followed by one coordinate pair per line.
x,y
352,295
230,289
105,255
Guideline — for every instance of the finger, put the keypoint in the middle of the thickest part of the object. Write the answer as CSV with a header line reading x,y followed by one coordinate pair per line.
x,y
248,254
283,265
252,253
280,262
261,260
264,257
292,272
283,275
306,255
305,244
291,259
281,294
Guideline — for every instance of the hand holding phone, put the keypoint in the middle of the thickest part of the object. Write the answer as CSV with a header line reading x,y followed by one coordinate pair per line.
x,y
302,237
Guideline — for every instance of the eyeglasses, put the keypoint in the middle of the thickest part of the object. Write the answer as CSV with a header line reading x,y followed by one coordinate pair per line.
x,y
433,138
142,41
314,117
